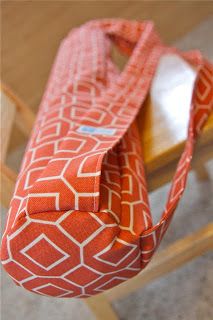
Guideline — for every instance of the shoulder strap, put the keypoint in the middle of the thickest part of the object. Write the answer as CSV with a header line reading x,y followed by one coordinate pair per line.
x,y
113,111
201,107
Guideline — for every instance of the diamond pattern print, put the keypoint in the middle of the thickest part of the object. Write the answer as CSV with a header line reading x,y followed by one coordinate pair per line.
x,y
79,222
47,260
49,288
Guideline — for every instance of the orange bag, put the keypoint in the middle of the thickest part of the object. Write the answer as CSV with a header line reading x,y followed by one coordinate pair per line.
x,y
79,221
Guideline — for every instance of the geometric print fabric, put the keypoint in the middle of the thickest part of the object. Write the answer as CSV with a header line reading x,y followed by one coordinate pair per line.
x,y
79,221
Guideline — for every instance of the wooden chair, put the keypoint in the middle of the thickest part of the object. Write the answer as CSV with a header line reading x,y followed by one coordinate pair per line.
x,y
163,122
12,109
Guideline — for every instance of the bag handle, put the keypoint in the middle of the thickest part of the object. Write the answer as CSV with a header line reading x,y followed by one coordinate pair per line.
x,y
141,41
201,107
127,93
126,34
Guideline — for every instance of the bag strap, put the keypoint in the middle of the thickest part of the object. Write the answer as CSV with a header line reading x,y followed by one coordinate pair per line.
x,y
201,107
126,34
119,104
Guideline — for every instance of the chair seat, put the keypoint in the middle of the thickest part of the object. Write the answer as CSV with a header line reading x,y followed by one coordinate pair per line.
x,y
163,120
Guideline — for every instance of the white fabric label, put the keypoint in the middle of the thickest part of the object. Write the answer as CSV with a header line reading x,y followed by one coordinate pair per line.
x,y
96,130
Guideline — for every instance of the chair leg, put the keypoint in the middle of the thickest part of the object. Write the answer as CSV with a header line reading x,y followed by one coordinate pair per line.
x,y
101,308
7,184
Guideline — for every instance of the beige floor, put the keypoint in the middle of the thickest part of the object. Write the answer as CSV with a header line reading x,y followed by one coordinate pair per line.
x,y
185,294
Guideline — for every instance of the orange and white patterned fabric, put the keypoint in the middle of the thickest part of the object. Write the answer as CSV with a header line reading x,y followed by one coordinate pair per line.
x,y
79,222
